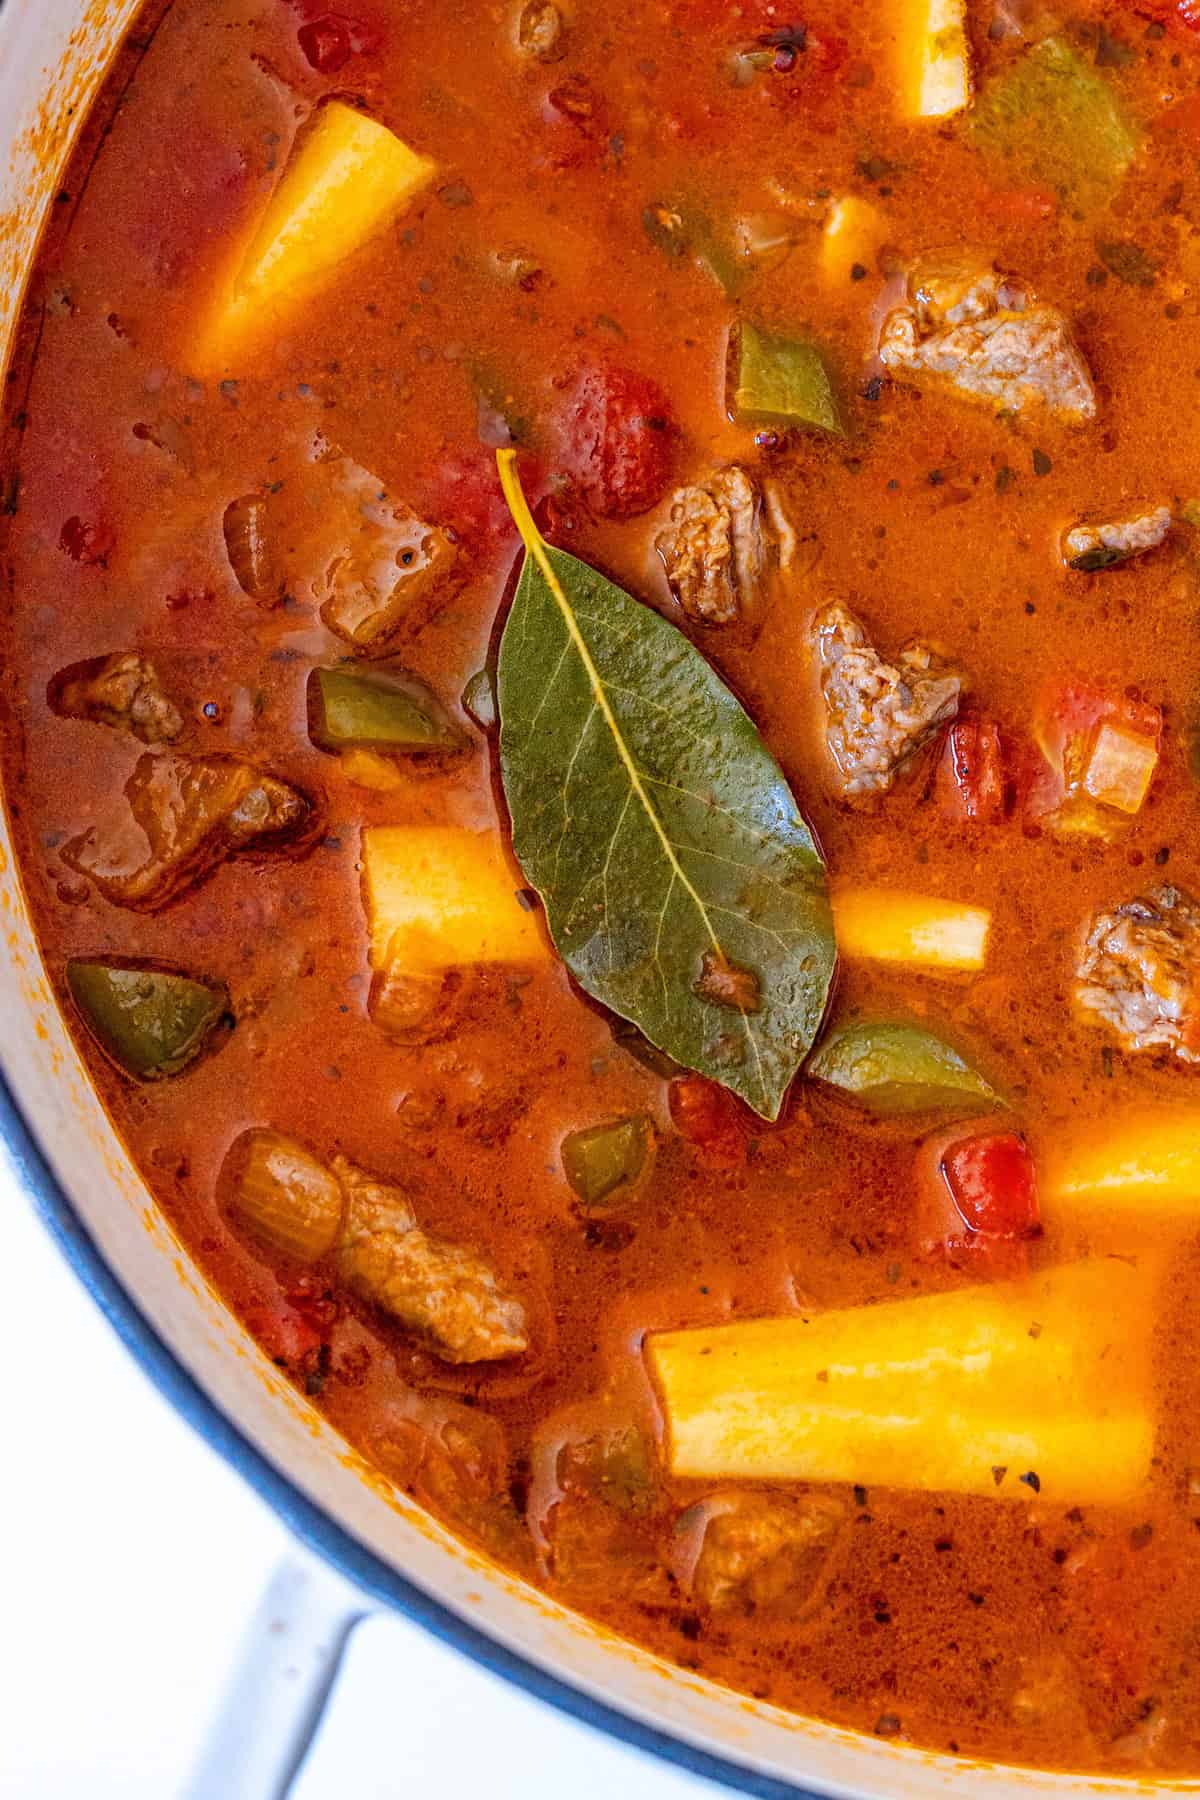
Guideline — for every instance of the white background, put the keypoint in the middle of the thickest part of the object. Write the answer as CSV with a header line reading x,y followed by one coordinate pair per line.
x,y
131,1561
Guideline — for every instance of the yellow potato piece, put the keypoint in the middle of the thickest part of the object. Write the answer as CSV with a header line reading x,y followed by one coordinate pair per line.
x,y
935,58
1051,1377
1135,1172
439,897
888,925
1120,767
347,176
854,232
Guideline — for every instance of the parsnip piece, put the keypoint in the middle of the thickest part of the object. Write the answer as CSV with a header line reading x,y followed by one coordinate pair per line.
x,y
965,1391
889,925
439,897
1139,1171
854,232
935,58
347,176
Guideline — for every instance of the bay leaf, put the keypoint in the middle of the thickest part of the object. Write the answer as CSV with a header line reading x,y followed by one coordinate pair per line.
x,y
682,887
892,1068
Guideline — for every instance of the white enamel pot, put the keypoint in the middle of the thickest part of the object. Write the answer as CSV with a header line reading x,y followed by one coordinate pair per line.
x,y
68,1161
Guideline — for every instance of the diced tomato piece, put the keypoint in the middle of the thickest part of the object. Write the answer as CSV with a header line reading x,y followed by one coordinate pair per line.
x,y
979,1206
88,541
708,1116
991,1183
971,778
616,441
284,1332
326,43
464,493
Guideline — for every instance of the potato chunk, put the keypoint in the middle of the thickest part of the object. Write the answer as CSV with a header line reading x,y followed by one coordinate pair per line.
x,y
935,58
1009,1390
888,925
347,176
441,898
1139,1173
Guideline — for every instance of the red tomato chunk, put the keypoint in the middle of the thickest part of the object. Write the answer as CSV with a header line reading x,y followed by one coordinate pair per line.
x,y
326,43
971,784
982,1209
617,441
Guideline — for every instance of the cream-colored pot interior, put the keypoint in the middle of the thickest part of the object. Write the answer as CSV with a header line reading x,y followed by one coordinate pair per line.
x,y
52,55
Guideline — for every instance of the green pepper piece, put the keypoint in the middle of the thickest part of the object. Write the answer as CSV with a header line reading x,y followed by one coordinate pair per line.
x,y
152,1023
350,707
682,232
479,699
894,1069
604,1158
782,380
1056,119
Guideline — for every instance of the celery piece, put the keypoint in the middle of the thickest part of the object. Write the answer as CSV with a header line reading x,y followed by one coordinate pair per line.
x,y
603,1160
1056,119
347,708
895,1068
151,1022
282,1196
685,233
780,380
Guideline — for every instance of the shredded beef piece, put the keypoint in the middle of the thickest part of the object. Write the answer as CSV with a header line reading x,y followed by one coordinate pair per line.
x,y
1089,546
879,714
759,1550
1140,973
989,339
448,1295
718,548
185,816
121,690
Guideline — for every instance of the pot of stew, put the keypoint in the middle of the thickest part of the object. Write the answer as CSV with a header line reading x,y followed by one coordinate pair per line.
x,y
602,971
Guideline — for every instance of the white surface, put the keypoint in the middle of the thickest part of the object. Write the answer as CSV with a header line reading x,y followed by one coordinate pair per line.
x,y
131,1560
404,1708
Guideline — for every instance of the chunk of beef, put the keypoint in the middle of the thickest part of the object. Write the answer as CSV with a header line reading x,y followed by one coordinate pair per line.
x,y
388,582
1140,973
445,1294
121,690
718,548
988,338
878,713
378,571
1088,546
542,31
759,1550
185,816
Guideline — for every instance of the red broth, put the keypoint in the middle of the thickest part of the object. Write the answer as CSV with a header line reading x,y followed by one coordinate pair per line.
x,y
611,196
